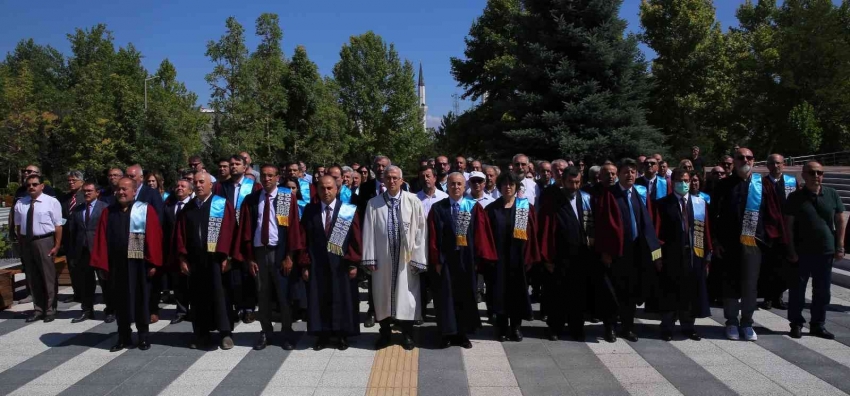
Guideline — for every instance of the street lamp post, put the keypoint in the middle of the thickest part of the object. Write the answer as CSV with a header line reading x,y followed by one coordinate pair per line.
x,y
146,90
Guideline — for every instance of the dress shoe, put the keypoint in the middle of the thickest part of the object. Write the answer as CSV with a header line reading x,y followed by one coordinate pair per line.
x,y
479,298
200,342
407,342
551,334
262,342
286,345
154,318
109,318
500,337
516,334
49,318
593,320
779,304
117,347
446,342
610,336
629,335
33,318
464,342
178,319
370,319
321,343
667,335
766,305
226,343
418,322
82,318
144,345
796,331
692,334
383,341
343,343
248,317
822,332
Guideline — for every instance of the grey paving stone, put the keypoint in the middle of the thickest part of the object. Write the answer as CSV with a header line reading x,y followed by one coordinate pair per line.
x,y
104,376
130,362
168,363
441,383
16,378
540,377
566,347
583,379
578,361
254,377
87,390
814,363
230,390
525,348
449,359
547,390
530,362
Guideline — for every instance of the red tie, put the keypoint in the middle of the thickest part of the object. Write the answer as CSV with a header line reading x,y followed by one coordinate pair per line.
x,y
264,230
73,202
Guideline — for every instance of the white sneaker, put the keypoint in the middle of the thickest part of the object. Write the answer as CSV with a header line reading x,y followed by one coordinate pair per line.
x,y
732,333
750,334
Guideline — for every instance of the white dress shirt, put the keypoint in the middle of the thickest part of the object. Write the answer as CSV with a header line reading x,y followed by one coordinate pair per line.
x,y
185,202
258,233
427,200
529,190
485,199
325,209
574,204
47,215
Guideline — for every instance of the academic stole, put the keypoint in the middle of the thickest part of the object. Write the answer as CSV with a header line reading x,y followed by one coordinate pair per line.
x,y
751,212
245,188
214,224
706,197
790,184
521,219
587,216
698,229
464,217
284,202
345,194
641,192
138,224
304,186
660,187
340,228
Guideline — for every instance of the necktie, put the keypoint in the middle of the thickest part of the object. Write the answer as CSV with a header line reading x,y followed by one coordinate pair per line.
x,y
329,214
73,202
632,214
30,217
236,194
88,213
179,208
685,214
264,229
455,212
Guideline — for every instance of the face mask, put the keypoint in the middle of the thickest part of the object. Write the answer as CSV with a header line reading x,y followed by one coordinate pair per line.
x,y
681,188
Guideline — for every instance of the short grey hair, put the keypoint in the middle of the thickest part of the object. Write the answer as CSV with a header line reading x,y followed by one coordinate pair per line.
x,y
560,162
517,156
382,157
393,168
456,174
593,171
347,169
494,168
77,175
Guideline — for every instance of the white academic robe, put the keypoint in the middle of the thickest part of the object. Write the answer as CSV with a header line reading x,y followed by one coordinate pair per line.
x,y
402,300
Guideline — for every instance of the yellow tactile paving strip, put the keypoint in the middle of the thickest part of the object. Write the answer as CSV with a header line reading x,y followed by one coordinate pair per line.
x,y
394,372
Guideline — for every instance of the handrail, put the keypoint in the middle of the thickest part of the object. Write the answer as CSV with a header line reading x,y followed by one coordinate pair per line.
x,y
791,161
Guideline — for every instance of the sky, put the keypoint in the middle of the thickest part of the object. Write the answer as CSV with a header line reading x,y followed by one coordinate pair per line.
x,y
428,32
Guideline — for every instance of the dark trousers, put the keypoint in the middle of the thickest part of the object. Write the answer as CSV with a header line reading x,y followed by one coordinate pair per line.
x,y
819,268
132,303
41,274
556,299
242,286
686,320
157,286
624,291
180,286
775,275
86,282
107,292
749,266
272,286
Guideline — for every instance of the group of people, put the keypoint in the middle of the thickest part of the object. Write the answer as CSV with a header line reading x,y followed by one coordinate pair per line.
x,y
269,243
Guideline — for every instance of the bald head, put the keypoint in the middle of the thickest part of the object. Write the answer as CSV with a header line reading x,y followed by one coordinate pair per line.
x,y
136,173
813,176
327,189
776,165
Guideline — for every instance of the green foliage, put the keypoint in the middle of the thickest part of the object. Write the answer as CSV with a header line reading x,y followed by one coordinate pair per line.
x,y
804,123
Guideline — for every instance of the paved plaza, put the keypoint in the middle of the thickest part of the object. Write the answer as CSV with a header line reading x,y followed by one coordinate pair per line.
x,y
73,359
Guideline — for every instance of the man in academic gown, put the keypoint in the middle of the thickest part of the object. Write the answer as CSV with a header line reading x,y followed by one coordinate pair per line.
x,y
270,234
681,291
574,279
179,282
626,240
394,250
240,283
206,238
775,275
128,250
746,215
143,192
460,239
657,186
332,229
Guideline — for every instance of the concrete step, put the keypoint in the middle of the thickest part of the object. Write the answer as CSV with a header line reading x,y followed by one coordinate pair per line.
x,y
842,193
845,176
836,181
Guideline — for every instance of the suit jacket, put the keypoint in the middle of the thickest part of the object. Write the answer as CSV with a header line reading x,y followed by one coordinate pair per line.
x,y
80,235
227,189
152,197
169,224
643,181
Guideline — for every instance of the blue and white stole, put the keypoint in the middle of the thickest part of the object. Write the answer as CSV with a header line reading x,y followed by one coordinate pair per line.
x,y
284,203
345,194
641,192
587,216
165,195
138,224
790,184
340,228
700,210
751,211
464,218
521,218
245,189
304,186
706,197
660,187
216,218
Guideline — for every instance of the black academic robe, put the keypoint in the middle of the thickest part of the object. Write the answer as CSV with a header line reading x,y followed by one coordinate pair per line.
x,y
243,288
334,299
681,283
507,285
128,277
456,285
207,297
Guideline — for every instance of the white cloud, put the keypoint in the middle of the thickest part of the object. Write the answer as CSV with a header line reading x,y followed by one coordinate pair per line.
x,y
433,121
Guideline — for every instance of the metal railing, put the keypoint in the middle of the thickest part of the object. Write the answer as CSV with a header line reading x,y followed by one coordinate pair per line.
x,y
826,159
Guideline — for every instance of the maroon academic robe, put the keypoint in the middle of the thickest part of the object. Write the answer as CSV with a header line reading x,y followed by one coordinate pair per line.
x,y
457,311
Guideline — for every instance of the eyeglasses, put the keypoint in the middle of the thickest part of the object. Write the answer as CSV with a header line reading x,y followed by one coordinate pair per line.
x,y
651,163
718,173
745,157
194,164
476,181
442,163
33,184
815,173
778,163
28,171
521,163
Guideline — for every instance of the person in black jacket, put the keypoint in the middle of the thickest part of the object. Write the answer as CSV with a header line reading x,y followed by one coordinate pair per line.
x,y
82,224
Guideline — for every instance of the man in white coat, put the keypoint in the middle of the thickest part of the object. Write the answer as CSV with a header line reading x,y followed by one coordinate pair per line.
x,y
395,251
